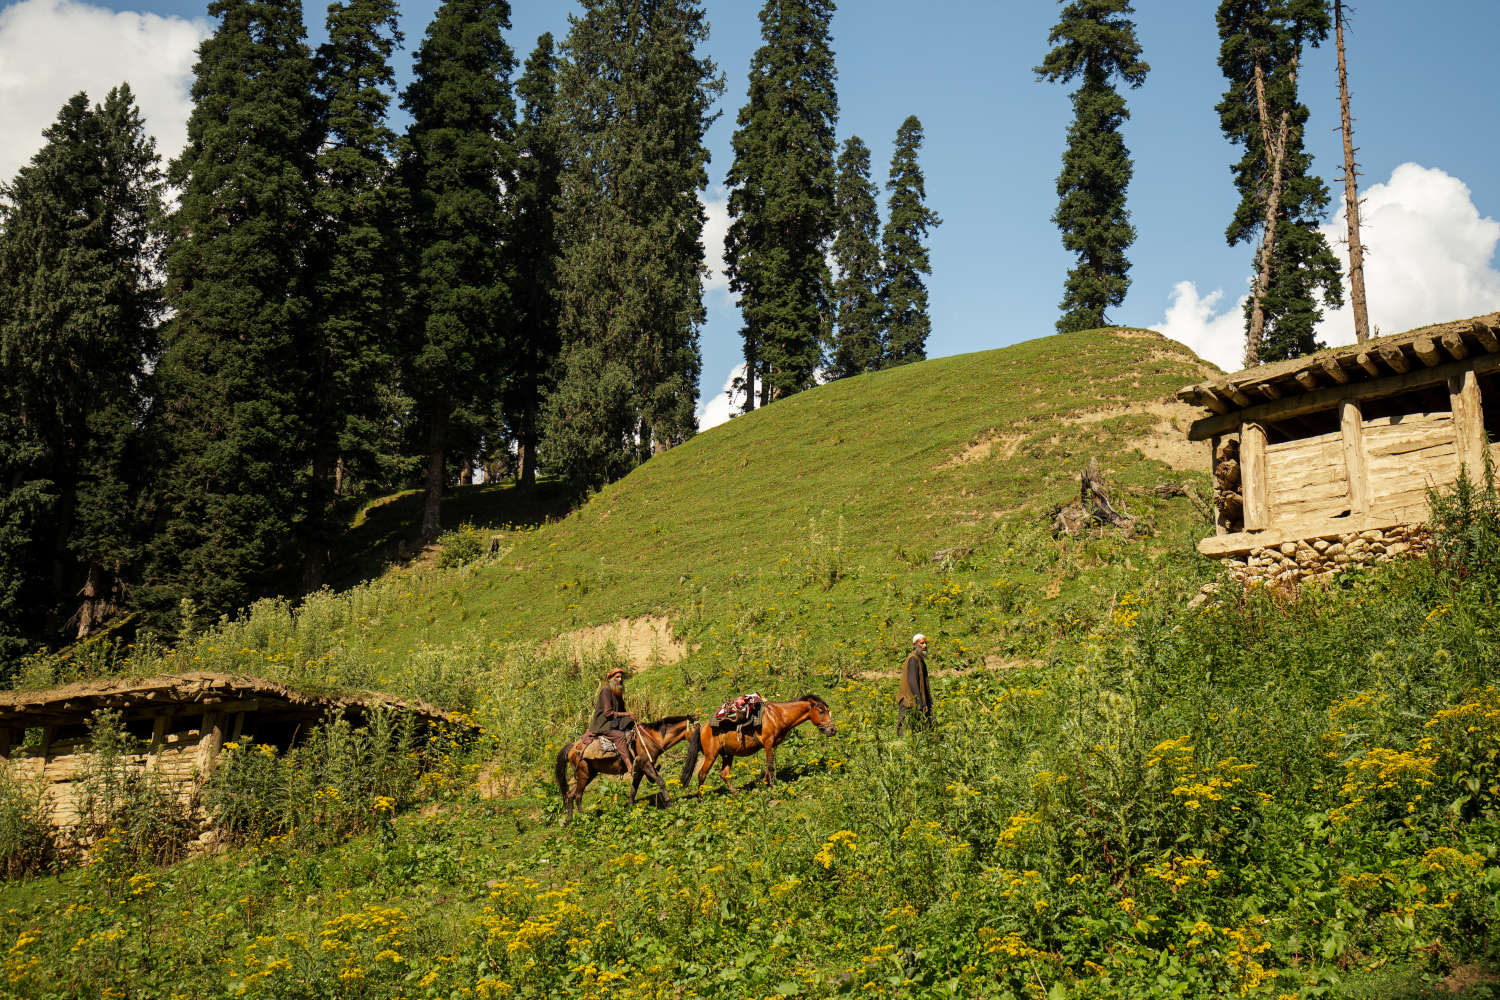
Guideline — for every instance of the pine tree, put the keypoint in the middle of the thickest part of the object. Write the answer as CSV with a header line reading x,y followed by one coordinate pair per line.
x,y
1281,201
858,344
908,220
461,161
358,285
234,377
533,253
634,102
781,199
1094,40
80,301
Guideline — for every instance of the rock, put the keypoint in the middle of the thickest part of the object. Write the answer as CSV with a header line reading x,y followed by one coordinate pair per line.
x,y
1321,545
1289,548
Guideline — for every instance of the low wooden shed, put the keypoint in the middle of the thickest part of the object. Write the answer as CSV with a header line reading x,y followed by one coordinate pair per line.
x,y
180,723
1324,461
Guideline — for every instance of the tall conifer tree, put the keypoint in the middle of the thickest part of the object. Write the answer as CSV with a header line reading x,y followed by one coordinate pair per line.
x,y
1094,40
533,252
782,199
904,247
1281,201
859,342
358,285
634,100
80,300
239,349
461,161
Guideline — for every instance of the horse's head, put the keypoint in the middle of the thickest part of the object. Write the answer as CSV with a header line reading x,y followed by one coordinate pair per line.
x,y
819,714
674,729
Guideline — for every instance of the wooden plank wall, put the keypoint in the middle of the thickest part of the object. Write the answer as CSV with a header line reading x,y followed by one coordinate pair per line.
x,y
1307,478
1407,453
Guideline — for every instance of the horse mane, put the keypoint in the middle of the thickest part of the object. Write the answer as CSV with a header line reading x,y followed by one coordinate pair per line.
x,y
670,720
814,699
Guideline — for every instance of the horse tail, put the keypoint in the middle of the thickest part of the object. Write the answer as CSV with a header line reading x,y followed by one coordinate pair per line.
x,y
561,772
695,747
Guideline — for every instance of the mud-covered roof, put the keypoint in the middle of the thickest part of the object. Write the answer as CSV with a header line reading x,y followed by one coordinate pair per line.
x,y
1379,366
177,692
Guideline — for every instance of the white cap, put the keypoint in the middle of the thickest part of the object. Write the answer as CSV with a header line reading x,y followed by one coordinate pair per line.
x,y
917,638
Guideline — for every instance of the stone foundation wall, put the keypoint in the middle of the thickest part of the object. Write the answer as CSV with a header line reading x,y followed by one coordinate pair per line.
x,y
1319,558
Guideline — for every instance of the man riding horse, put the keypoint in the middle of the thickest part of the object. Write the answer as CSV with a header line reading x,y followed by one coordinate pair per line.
x,y
611,721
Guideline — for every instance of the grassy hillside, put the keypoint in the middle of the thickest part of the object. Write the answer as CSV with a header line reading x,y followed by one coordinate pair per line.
x,y
1125,796
815,519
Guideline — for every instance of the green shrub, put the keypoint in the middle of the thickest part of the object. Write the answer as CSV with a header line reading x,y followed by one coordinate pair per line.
x,y
1465,526
343,780
28,842
462,545
126,811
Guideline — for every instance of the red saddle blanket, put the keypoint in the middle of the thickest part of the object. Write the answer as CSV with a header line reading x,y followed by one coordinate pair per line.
x,y
738,711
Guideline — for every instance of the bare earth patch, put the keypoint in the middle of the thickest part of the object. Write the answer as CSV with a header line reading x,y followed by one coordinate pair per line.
x,y
1167,442
1005,444
642,642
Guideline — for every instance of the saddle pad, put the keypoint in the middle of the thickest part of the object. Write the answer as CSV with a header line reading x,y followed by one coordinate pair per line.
x,y
600,749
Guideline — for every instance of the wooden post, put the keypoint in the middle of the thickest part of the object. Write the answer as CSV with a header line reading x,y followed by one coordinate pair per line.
x,y
8,740
1220,528
1356,466
1468,422
159,730
209,742
1254,476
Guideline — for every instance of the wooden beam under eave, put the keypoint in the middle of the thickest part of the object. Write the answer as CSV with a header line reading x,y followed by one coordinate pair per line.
x,y
1426,352
1368,364
1254,473
1334,370
1485,334
1306,380
1269,391
1206,397
1238,398
1454,345
1356,463
1327,399
1394,359
1469,438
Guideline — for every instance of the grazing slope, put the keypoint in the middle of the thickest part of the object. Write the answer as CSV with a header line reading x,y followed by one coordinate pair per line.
x,y
1124,797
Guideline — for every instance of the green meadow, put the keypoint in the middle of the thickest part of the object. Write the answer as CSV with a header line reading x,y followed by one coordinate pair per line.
x,y
1128,793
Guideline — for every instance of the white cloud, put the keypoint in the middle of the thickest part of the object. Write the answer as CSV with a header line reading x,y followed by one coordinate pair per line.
x,y
1429,257
717,409
1192,319
715,230
52,49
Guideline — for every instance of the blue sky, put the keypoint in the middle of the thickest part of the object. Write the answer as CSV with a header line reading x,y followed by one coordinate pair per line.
x,y
1422,80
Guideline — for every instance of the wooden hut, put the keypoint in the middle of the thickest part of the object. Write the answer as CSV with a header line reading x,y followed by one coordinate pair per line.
x,y
1325,461
180,723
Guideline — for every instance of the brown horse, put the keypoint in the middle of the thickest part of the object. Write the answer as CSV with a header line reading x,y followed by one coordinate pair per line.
x,y
652,739
777,720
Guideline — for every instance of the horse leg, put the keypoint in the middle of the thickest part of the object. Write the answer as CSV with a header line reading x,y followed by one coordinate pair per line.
x,y
709,756
661,797
724,774
770,765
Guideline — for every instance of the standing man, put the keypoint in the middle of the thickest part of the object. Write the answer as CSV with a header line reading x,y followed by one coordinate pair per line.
x,y
916,695
610,718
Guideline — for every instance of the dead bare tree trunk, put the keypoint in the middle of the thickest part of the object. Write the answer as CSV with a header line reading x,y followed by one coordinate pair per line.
x,y
1351,192
437,440
1276,163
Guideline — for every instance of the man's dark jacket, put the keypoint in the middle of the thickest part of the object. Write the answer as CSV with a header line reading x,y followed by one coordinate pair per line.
x,y
914,690
609,712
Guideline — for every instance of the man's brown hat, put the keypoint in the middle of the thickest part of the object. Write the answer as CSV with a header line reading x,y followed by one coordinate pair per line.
x,y
615,670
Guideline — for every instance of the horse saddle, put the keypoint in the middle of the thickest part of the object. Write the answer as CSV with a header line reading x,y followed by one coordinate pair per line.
x,y
738,713
599,747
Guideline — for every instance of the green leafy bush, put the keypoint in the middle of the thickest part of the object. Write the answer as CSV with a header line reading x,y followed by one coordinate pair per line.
x,y
28,844
1465,527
